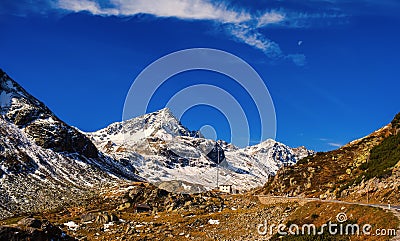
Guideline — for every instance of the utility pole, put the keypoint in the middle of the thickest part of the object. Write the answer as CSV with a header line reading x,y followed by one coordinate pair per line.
x,y
217,163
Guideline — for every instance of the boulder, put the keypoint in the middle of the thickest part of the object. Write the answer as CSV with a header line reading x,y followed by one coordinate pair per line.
x,y
30,222
88,217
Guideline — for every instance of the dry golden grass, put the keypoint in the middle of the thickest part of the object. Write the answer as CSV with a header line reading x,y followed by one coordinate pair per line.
x,y
319,213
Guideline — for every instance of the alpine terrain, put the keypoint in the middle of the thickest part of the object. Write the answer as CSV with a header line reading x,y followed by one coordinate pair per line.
x,y
367,170
163,150
45,163
150,178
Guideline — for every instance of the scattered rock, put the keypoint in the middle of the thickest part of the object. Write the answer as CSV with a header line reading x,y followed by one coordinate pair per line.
x,y
88,217
30,222
29,229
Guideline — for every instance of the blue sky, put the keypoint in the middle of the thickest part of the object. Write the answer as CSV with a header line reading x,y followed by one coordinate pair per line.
x,y
331,66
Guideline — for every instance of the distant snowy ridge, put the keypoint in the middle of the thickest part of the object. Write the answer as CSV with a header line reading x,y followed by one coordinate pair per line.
x,y
162,149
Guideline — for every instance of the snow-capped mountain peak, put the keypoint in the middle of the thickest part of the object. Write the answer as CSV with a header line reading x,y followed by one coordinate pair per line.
x,y
17,104
162,149
43,161
42,152
159,125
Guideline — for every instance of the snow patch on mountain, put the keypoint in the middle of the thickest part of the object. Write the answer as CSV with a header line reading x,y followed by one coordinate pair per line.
x,y
44,163
162,149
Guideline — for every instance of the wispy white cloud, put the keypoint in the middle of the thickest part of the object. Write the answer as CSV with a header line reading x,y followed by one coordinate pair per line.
x,y
330,142
268,18
255,39
307,20
184,9
86,5
298,59
335,144
240,24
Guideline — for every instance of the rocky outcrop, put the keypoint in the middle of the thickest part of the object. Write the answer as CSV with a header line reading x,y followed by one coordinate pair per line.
x,y
61,138
47,130
33,229
177,186
161,200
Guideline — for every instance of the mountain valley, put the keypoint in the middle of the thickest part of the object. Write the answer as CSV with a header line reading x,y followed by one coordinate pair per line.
x,y
151,178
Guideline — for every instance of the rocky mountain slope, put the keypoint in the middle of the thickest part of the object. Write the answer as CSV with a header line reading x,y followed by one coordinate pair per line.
x,y
141,211
44,162
163,150
367,170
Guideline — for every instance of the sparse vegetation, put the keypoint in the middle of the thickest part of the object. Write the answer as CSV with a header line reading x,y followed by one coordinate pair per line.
x,y
382,158
323,237
319,213
396,121
304,160
342,173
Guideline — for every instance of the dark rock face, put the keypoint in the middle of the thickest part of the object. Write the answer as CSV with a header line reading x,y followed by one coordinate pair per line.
x,y
26,115
33,229
61,138
173,159
19,163
40,123
396,122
